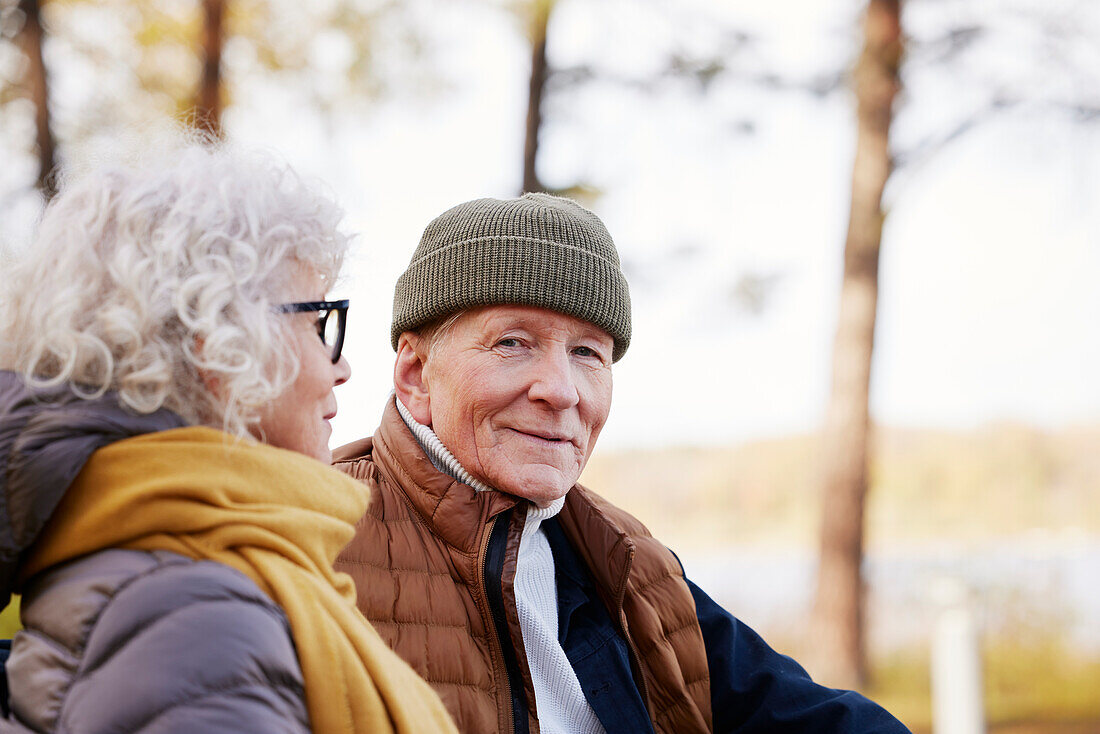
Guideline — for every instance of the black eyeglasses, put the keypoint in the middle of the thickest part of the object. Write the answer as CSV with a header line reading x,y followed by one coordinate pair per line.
x,y
330,330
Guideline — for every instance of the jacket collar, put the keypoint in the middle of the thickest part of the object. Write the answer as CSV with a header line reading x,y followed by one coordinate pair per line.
x,y
454,512
604,545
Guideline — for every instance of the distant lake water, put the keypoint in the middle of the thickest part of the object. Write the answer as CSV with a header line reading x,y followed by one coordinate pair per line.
x,y
1026,586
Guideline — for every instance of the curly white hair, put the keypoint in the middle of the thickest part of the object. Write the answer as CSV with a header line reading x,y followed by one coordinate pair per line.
x,y
156,281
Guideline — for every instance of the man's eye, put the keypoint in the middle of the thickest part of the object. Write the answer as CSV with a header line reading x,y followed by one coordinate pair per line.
x,y
585,352
509,341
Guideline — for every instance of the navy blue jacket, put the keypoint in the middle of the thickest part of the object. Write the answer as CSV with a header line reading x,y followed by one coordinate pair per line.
x,y
753,688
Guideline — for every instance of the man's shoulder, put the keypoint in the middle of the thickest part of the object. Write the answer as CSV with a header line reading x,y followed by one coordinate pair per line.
x,y
355,459
388,507
355,451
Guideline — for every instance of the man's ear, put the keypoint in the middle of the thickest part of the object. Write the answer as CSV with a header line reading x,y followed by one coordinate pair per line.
x,y
408,376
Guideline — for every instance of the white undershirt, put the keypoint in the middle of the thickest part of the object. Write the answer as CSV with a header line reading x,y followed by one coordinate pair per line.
x,y
559,699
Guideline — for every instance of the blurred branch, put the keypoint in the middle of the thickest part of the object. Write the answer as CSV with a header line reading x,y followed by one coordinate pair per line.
x,y
1050,40
946,47
582,192
704,72
925,150
30,39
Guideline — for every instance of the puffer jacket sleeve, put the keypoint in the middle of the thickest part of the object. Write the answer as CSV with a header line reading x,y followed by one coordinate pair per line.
x,y
129,641
756,690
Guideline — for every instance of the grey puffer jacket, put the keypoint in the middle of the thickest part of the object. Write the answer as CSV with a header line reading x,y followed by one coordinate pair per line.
x,y
124,640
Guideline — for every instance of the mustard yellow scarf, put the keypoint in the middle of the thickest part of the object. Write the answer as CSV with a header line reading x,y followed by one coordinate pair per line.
x,y
278,517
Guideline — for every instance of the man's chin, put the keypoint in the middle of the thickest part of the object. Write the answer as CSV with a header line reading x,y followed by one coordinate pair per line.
x,y
541,486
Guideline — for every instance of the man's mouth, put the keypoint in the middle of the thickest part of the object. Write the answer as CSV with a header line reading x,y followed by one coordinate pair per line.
x,y
543,436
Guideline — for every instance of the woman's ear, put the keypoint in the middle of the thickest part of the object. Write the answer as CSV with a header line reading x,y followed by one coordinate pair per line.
x,y
408,377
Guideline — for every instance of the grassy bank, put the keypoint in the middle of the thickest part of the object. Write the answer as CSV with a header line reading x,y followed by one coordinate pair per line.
x,y
1029,686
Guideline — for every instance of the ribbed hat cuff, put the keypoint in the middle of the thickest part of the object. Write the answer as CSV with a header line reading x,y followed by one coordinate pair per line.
x,y
557,276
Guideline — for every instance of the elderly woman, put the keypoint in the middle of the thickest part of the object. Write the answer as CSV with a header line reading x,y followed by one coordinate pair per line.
x,y
527,601
170,363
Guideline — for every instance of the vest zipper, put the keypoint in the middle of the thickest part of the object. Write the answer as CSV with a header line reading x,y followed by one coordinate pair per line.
x,y
635,657
492,571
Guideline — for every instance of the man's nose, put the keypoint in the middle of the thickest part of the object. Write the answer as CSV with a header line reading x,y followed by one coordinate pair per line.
x,y
554,382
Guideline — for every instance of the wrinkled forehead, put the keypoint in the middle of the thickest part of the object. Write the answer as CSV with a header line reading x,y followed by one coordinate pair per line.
x,y
483,320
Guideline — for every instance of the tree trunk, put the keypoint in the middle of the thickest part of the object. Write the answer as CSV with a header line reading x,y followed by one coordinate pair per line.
x,y
540,18
837,653
30,39
208,106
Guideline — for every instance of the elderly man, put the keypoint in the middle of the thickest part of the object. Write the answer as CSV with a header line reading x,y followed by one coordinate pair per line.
x,y
527,601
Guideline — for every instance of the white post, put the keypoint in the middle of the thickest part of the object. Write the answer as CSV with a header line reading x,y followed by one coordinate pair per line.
x,y
957,705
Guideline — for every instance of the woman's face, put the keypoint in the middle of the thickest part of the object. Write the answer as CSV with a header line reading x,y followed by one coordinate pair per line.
x,y
299,418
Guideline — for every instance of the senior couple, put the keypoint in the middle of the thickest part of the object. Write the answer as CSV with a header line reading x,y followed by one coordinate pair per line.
x,y
186,563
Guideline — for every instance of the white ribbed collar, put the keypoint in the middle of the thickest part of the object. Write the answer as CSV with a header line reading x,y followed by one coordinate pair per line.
x,y
442,458
545,513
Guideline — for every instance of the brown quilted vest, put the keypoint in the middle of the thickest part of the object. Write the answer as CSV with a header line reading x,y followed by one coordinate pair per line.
x,y
418,564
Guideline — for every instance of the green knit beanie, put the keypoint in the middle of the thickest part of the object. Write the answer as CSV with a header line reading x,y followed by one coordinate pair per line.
x,y
537,250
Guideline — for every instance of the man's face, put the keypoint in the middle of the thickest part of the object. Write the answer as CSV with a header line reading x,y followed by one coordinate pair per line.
x,y
519,395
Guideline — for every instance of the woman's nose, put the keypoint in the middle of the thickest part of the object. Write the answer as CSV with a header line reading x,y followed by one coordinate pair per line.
x,y
343,370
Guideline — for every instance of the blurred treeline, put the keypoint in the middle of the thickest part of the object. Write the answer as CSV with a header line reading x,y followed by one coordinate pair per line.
x,y
930,487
